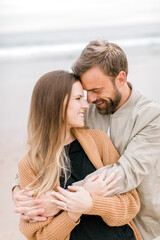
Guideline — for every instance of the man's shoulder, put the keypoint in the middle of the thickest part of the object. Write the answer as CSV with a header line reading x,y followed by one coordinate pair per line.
x,y
146,108
146,103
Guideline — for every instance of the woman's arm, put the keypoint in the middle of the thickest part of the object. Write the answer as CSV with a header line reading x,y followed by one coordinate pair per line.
x,y
57,228
115,211
52,227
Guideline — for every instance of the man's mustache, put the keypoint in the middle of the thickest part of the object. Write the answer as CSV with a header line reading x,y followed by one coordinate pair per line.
x,y
98,101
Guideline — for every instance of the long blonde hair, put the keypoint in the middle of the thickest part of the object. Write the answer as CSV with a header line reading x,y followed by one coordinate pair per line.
x,y
46,129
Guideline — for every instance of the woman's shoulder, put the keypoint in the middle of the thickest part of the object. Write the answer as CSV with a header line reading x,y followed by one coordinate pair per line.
x,y
23,160
24,163
94,133
25,169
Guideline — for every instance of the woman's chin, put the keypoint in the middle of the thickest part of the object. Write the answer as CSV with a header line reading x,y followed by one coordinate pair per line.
x,y
80,125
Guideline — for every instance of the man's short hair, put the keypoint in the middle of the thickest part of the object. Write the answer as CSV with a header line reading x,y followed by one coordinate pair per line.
x,y
109,57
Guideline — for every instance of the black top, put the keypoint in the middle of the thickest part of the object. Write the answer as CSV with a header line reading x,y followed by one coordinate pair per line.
x,y
90,227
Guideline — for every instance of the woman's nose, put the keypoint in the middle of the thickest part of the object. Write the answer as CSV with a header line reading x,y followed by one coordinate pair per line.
x,y
85,104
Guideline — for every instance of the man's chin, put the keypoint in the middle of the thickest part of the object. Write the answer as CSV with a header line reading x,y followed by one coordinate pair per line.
x,y
102,111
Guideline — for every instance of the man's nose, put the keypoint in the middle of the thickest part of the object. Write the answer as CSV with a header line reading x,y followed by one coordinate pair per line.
x,y
91,97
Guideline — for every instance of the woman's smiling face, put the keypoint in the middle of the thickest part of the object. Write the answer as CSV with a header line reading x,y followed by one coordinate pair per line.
x,y
76,107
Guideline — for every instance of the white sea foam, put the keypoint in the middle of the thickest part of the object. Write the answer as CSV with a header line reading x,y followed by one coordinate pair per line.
x,y
67,49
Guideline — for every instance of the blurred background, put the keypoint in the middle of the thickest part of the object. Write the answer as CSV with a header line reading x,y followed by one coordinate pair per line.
x,y
40,36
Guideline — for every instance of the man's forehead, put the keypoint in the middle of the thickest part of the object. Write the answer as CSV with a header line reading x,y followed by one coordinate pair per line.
x,y
93,89
92,85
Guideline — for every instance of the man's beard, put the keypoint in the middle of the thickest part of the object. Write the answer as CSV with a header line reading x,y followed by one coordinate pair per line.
x,y
110,105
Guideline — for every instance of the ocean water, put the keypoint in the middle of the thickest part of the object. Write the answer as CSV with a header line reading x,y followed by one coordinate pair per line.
x,y
24,57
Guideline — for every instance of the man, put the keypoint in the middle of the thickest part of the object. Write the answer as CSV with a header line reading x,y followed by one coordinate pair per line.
x,y
131,121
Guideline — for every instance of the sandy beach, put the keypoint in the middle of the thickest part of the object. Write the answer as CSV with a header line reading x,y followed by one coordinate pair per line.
x,y
17,77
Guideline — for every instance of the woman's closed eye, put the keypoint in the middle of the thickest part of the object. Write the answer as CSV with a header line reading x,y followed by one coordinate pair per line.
x,y
78,98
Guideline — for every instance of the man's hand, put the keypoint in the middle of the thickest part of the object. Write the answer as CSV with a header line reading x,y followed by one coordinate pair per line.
x,y
102,186
28,207
33,209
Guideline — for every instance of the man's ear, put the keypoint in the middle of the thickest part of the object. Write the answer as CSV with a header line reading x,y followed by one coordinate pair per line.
x,y
120,79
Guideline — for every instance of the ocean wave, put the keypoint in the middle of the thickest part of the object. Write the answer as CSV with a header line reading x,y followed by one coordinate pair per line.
x,y
68,49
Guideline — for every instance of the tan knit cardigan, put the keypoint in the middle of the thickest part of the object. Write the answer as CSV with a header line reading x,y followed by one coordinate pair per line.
x,y
115,211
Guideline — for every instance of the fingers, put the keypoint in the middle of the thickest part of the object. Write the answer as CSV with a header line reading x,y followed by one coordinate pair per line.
x,y
64,207
102,175
23,195
60,204
63,191
29,193
29,203
59,195
38,219
111,176
24,217
63,197
35,219
93,178
73,188
114,182
35,213
26,210
110,192
22,210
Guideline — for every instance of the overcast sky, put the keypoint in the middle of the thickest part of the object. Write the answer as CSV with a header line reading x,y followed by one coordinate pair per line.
x,y
36,15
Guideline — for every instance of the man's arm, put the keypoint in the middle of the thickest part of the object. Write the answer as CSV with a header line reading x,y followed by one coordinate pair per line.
x,y
139,158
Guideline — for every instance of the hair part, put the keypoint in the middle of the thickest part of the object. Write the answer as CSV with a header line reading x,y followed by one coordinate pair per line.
x,y
109,57
46,129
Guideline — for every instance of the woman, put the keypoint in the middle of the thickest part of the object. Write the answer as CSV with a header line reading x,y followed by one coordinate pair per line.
x,y
61,152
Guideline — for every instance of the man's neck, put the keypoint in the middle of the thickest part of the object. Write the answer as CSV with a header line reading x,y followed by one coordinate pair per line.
x,y
125,95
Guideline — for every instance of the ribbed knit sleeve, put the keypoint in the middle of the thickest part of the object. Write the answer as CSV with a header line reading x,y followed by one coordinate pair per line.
x,y
57,228
116,210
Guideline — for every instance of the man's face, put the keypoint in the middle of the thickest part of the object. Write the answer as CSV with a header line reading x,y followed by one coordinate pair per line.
x,y
101,90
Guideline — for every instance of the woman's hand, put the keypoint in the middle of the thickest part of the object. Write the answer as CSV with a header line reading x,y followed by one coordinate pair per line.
x,y
50,209
102,186
26,203
77,200
34,209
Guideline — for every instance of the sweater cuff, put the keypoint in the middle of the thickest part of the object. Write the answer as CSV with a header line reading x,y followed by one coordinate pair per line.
x,y
98,206
75,223
69,223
